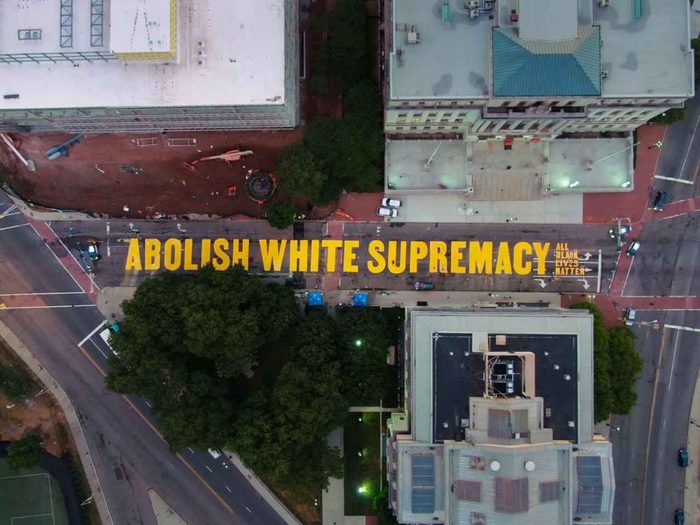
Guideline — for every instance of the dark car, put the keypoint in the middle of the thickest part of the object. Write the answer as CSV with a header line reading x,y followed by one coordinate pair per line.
x,y
622,233
683,457
660,200
679,517
633,248
421,286
89,249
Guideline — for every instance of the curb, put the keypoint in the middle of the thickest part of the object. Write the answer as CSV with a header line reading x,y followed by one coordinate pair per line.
x,y
71,417
264,491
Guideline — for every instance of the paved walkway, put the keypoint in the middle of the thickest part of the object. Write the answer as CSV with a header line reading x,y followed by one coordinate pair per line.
x,y
692,473
71,417
333,498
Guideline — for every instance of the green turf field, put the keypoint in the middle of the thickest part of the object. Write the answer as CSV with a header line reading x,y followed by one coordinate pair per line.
x,y
30,497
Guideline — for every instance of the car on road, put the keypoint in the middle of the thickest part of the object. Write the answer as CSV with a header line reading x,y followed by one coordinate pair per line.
x,y
633,248
89,249
383,211
106,334
660,200
621,232
215,453
630,316
421,286
391,203
683,457
679,518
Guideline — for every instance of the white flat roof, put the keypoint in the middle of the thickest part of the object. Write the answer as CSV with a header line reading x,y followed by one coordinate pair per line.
x,y
548,19
228,53
647,56
140,26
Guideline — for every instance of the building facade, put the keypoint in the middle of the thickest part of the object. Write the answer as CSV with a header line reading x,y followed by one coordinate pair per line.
x,y
498,421
150,65
536,69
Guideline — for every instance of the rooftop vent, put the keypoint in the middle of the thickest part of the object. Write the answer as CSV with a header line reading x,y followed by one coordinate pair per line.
x,y
495,465
530,466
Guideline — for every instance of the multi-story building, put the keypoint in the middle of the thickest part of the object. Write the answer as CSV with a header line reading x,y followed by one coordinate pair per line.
x,y
148,65
498,421
529,71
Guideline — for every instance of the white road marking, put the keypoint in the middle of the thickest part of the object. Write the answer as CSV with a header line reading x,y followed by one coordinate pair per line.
x,y
685,328
99,349
15,226
246,508
228,489
208,468
53,518
600,269
12,521
673,364
38,294
690,144
99,326
190,449
4,215
58,259
149,405
674,179
49,307
92,282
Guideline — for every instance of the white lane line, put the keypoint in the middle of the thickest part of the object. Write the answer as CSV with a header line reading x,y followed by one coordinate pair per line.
x,y
93,283
39,294
97,329
209,469
53,518
600,270
246,508
673,364
190,449
99,349
148,404
684,328
15,226
690,145
228,489
49,307
58,259
674,179
9,214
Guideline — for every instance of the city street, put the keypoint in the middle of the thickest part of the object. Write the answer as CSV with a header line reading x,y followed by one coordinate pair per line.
x,y
130,457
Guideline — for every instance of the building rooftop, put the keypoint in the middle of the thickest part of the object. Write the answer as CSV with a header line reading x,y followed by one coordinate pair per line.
x,y
142,53
639,48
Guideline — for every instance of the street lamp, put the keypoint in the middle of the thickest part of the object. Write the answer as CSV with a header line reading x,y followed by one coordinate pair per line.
x,y
358,342
574,184
626,184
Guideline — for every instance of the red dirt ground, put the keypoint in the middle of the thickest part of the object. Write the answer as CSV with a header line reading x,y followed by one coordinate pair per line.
x,y
164,186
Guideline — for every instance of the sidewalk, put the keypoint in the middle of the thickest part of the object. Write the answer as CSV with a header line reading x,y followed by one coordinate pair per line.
x,y
691,499
333,498
71,417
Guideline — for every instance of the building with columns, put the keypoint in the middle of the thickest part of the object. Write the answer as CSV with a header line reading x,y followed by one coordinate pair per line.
x,y
531,71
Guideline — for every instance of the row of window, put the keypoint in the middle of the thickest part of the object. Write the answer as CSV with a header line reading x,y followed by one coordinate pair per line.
x,y
432,115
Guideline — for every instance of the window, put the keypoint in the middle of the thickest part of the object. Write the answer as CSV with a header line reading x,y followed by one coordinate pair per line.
x,y
413,128
417,115
550,491
432,114
403,115
461,115
459,120
448,114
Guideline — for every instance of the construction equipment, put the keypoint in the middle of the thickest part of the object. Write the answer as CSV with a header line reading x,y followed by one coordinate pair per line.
x,y
62,149
229,157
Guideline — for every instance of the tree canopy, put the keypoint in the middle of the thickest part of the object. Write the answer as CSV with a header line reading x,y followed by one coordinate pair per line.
x,y
613,384
227,361
280,214
25,452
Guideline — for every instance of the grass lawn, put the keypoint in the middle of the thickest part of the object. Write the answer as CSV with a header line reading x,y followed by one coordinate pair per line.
x,y
32,495
362,462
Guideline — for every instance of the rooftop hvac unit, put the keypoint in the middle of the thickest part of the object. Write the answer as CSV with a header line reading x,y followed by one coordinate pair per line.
x,y
499,137
474,13
527,137
603,3
412,37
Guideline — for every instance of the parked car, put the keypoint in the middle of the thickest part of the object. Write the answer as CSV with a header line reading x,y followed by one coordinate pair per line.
x,y
421,286
383,211
633,248
683,457
630,316
106,334
215,453
660,200
679,518
391,203
89,249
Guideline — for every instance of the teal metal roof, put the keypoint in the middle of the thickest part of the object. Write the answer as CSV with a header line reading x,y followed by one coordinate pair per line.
x,y
532,69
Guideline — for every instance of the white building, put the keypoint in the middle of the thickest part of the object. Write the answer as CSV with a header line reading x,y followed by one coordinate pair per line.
x,y
498,424
148,65
526,72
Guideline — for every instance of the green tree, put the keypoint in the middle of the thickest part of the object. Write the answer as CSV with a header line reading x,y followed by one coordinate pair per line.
x,y
364,339
280,214
25,452
671,116
12,384
187,341
627,365
349,44
299,174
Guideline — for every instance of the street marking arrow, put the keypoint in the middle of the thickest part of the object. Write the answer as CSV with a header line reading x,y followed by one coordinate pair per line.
x,y
585,257
541,282
586,286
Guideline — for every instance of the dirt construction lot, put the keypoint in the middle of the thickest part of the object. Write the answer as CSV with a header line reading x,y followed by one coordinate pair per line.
x,y
91,179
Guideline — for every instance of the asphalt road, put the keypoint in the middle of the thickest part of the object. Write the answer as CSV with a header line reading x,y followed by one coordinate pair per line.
x,y
113,236
128,454
680,155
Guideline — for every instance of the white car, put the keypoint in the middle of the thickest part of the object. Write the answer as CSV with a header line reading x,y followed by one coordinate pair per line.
x,y
216,454
383,211
391,203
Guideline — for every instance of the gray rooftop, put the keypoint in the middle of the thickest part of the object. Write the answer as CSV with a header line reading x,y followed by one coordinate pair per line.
x,y
642,56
